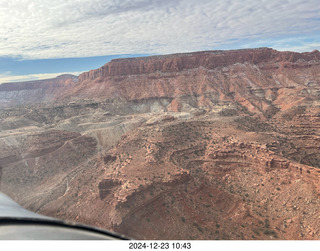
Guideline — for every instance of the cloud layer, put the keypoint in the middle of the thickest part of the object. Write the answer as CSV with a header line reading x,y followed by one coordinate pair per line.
x,y
82,28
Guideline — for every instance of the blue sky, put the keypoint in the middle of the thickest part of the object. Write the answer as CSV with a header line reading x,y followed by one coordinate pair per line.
x,y
46,38
14,69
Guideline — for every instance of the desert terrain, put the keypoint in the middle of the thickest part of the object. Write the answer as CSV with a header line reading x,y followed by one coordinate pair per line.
x,y
205,145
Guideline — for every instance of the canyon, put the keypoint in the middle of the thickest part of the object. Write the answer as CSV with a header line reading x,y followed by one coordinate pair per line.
x,y
203,145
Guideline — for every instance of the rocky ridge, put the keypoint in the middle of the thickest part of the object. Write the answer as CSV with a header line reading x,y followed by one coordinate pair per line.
x,y
22,93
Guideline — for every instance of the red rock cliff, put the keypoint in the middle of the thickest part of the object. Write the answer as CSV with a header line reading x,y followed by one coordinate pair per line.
x,y
251,77
185,61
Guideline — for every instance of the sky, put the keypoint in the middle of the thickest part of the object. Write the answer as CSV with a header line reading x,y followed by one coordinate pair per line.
x,y
45,38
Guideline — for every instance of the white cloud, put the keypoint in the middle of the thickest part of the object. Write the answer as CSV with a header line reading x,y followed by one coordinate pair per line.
x,y
298,44
300,48
80,28
7,77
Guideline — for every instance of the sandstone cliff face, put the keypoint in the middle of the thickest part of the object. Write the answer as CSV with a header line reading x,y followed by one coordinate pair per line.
x,y
254,79
187,61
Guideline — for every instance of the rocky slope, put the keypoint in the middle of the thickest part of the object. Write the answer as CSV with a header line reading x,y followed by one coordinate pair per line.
x,y
205,145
